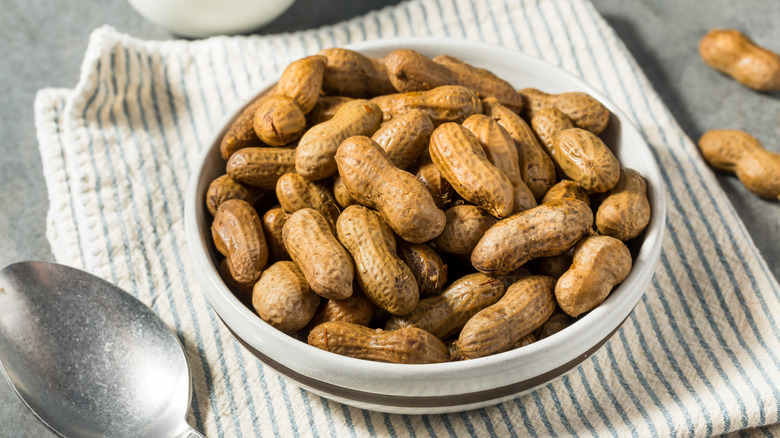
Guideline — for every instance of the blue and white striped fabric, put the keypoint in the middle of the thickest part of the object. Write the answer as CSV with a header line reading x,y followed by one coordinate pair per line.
x,y
699,355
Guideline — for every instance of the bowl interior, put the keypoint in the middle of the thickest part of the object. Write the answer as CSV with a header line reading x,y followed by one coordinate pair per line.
x,y
517,370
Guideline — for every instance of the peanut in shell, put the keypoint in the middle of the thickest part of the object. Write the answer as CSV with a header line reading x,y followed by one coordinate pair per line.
x,y
457,154
295,192
352,74
241,133
382,276
301,81
402,200
405,137
314,158
283,298
600,263
731,52
261,167
407,345
583,109
279,121
319,255
410,70
585,159
224,188
500,149
625,212
740,153
238,235
482,81
536,166
547,230
445,314
525,306
448,103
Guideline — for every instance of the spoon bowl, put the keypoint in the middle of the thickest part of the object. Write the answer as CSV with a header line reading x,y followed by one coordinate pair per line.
x,y
88,358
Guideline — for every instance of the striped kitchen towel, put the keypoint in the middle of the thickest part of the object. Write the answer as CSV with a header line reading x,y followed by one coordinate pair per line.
x,y
699,356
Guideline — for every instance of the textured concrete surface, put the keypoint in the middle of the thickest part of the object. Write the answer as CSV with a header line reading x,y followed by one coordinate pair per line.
x,y
42,43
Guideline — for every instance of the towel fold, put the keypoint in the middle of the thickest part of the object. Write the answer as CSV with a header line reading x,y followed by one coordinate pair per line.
x,y
698,356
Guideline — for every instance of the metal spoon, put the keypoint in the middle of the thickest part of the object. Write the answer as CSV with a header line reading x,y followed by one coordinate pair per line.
x,y
89,359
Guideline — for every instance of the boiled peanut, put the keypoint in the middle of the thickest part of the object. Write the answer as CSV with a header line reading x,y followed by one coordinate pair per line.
x,y
445,314
410,70
382,276
283,298
314,158
625,212
241,133
325,108
302,80
525,306
260,167
566,189
281,118
448,103
238,235
440,189
426,265
406,345
600,263
224,188
500,149
584,158
312,246
482,81
583,110
466,224
546,123
739,152
356,309
543,231
352,74
279,121
273,222
555,323
405,137
461,160
242,291
295,192
733,53
536,166
402,200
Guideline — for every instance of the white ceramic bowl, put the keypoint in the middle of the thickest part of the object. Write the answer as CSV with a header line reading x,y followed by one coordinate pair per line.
x,y
454,386
203,18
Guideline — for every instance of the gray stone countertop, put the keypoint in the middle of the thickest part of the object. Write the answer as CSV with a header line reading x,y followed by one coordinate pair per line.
x,y
42,43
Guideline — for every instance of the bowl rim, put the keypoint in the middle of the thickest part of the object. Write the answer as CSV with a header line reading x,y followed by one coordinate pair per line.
x,y
599,320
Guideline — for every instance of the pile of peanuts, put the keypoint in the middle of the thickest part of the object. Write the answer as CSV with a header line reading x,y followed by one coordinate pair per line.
x,y
418,210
